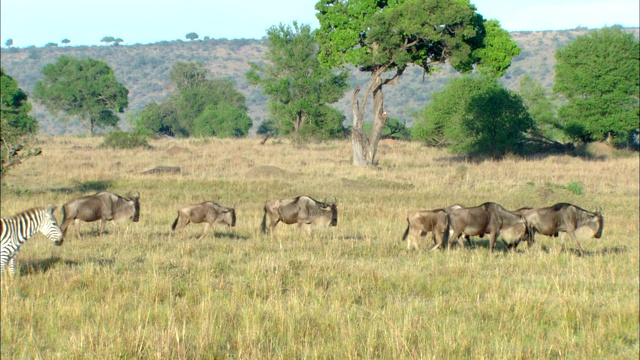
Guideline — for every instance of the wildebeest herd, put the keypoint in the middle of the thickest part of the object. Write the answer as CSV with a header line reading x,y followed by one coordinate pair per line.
x,y
448,225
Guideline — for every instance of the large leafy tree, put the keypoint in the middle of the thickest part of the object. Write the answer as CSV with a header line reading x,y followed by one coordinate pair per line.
x,y
86,88
198,106
298,85
383,38
599,74
541,104
475,116
17,125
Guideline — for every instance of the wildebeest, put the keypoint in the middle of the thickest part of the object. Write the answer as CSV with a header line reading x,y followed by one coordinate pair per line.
x,y
301,210
104,206
207,212
563,217
421,222
488,218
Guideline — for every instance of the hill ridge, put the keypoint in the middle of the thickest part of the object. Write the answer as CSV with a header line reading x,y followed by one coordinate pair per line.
x,y
144,68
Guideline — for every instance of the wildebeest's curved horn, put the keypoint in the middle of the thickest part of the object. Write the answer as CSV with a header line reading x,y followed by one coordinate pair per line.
x,y
138,194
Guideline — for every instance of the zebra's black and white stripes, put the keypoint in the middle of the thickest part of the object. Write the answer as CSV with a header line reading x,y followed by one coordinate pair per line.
x,y
16,230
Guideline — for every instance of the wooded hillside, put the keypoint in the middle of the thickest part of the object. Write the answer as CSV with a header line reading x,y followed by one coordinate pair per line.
x,y
143,70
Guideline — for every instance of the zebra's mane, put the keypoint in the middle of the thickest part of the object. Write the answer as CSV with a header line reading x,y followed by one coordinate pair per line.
x,y
33,210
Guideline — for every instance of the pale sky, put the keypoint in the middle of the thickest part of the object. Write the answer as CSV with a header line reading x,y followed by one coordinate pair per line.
x,y
86,22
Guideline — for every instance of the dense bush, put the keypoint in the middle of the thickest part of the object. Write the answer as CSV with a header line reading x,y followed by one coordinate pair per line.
x,y
475,116
124,140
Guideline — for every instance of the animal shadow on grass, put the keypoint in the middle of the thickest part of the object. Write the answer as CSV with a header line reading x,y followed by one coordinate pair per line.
x,y
354,237
87,186
476,244
43,265
615,250
195,236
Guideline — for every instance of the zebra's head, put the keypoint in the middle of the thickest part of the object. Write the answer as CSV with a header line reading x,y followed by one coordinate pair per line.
x,y
49,226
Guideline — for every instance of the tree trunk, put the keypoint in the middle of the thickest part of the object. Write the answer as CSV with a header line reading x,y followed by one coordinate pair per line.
x,y
299,121
359,140
364,149
379,121
90,125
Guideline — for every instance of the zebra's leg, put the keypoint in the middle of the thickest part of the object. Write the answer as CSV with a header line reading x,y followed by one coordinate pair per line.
x,y
3,263
12,265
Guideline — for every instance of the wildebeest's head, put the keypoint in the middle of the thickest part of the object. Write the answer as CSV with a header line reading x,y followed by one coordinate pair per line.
x,y
232,213
226,216
599,220
334,214
134,202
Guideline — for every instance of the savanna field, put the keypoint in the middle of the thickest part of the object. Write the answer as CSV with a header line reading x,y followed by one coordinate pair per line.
x,y
349,292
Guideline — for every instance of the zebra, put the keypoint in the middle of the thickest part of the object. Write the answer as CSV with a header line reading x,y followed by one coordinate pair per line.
x,y
16,230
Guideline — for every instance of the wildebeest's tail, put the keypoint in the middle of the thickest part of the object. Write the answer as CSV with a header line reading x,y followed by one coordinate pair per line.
x,y
263,226
447,230
173,227
406,232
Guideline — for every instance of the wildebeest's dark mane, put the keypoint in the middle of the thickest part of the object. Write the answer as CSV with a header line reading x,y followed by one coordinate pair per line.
x,y
322,204
560,206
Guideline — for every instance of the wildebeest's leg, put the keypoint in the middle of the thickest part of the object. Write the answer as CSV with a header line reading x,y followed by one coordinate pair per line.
x,y
77,221
492,240
439,244
103,221
468,238
415,236
452,238
460,239
204,230
573,236
180,223
272,224
65,225
307,227
438,237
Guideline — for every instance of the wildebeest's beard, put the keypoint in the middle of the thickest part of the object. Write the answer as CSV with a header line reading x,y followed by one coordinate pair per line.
x,y
233,217
136,207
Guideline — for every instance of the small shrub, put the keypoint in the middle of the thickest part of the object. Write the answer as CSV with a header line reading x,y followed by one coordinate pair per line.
x,y
575,187
124,140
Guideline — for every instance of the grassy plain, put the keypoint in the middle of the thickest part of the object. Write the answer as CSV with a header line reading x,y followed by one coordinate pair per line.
x,y
350,292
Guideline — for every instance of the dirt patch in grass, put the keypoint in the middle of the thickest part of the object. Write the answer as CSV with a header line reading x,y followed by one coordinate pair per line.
x,y
266,171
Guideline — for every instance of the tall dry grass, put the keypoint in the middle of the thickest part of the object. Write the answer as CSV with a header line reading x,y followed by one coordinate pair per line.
x,y
352,291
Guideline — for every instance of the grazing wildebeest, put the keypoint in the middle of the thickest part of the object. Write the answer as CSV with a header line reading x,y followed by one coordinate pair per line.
x,y
421,222
207,212
104,206
488,218
301,210
563,217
